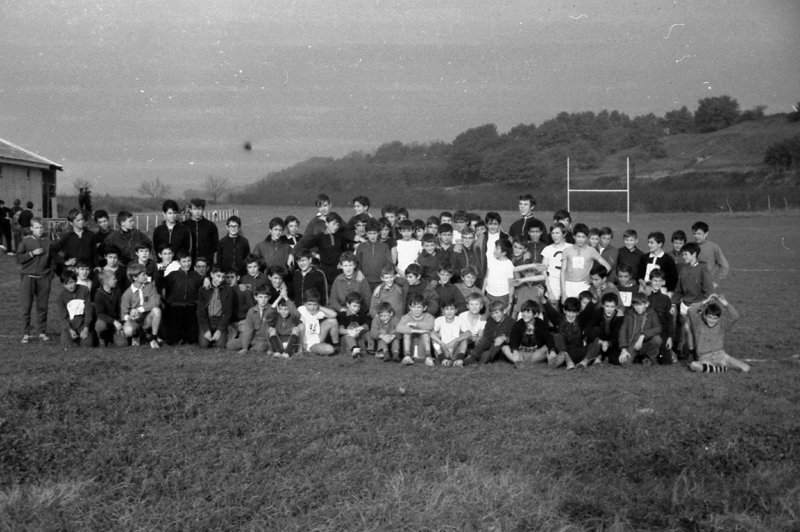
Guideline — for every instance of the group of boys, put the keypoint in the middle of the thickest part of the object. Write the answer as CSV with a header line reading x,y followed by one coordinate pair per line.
x,y
453,290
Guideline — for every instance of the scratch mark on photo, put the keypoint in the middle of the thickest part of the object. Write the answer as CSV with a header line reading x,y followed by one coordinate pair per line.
x,y
670,29
578,17
682,58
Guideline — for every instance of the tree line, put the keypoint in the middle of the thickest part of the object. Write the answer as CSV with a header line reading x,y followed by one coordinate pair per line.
x,y
527,153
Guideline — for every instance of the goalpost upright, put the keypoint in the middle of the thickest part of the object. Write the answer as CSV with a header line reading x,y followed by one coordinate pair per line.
x,y
626,190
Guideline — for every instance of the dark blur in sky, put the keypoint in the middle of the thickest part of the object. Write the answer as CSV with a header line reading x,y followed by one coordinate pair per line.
x,y
120,91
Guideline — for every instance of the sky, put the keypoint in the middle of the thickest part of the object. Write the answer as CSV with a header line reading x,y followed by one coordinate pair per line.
x,y
125,91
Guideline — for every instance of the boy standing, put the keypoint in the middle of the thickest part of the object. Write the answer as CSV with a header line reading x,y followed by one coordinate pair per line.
x,y
127,238
35,268
373,255
74,306
657,259
170,231
468,254
205,235
576,264
329,244
710,321
521,227
408,249
498,284
694,285
630,255
275,250
233,248
608,252
76,245
318,223
710,253
448,291
181,288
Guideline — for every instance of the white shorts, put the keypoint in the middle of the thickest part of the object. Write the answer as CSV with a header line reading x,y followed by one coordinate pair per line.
x,y
574,288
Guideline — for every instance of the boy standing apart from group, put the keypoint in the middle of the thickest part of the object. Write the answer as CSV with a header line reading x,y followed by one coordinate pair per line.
x,y
34,260
710,321
710,254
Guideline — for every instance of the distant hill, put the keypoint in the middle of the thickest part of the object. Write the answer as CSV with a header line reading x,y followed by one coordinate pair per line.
x,y
482,162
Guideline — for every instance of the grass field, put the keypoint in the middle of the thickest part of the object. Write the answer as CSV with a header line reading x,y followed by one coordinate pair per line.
x,y
179,439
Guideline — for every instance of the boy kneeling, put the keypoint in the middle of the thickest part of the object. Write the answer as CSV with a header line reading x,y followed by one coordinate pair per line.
x,y
107,301
140,308
710,320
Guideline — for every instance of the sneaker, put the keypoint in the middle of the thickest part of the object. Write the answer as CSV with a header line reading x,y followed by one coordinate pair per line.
x,y
154,344
646,362
277,355
356,352
388,358
408,361
44,338
582,365
380,353
284,355
447,363
134,342
458,363
26,339
570,365
429,362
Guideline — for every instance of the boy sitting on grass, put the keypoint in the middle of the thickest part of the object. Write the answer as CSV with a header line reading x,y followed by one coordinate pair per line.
x,y
472,322
383,331
530,340
107,302
660,303
215,306
353,325
640,336
496,334
710,321
140,307
74,306
318,322
416,326
449,341
285,328
256,327
569,338
602,332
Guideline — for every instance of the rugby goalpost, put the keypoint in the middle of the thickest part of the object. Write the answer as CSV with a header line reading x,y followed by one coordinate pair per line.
x,y
626,190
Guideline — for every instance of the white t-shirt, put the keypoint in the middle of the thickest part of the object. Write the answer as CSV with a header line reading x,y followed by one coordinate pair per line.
x,y
447,331
311,324
491,242
497,276
474,327
407,253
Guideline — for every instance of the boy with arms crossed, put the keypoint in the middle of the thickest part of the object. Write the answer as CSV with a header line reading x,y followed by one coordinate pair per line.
x,y
354,325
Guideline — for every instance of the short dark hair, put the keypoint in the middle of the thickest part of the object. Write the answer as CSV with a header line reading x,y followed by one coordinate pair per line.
x,y
348,256
100,213
277,222
385,307
170,204
692,248
528,197
405,224
69,275
353,297
414,269
610,297
630,233
198,202
572,304
678,235
415,298
234,218
445,228
580,228
702,226
363,200
599,269
321,198
446,266
712,309
277,269
428,238
311,296
492,215
658,236
562,214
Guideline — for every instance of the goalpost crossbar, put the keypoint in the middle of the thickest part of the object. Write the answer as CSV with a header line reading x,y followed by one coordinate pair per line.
x,y
626,190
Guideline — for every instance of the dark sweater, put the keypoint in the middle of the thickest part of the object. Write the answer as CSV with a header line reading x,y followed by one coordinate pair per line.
x,y
179,237
205,238
519,336
231,252
107,306
72,246
181,287
204,298
314,278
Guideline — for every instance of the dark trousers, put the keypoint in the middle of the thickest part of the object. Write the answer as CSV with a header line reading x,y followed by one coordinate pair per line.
x,y
484,352
76,324
181,324
292,343
106,332
38,290
578,352
221,342
5,229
